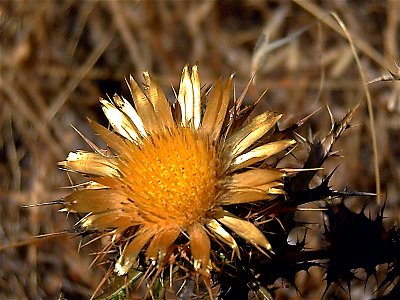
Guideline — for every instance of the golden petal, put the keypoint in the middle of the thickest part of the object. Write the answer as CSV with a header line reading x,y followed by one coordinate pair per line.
x,y
245,230
110,182
110,138
217,108
196,97
245,196
181,94
95,200
226,95
161,242
212,108
223,235
160,103
128,109
144,107
129,256
90,163
238,142
106,220
253,185
255,177
200,246
260,153
119,121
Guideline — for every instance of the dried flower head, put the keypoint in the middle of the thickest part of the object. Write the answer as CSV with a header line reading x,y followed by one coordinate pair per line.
x,y
172,171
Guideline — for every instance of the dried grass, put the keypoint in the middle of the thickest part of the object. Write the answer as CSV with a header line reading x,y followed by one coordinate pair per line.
x,y
57,58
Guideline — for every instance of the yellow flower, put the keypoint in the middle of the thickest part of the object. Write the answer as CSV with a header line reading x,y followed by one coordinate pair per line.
x,y
173,170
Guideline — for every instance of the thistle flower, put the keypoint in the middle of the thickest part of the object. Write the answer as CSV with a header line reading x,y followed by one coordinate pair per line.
x,y
172,171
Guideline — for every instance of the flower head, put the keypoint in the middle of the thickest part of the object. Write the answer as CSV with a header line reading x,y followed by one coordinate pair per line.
x,y
172,171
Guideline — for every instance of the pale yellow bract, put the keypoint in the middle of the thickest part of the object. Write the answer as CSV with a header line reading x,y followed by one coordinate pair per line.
x,y
175,174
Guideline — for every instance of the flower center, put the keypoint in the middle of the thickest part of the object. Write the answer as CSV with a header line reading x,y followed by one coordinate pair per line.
x,y
172,178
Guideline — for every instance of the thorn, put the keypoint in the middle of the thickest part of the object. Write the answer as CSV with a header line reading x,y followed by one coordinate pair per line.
x,y
331,118
54,202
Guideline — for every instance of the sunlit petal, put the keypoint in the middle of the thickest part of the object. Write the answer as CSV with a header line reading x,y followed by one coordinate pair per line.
x,y
90,163
196,97
245,137
128,109
245,230
260,153
186,98
119,121
255,177
223,235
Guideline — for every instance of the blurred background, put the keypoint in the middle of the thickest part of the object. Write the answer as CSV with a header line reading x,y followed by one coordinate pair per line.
x,y
58,57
